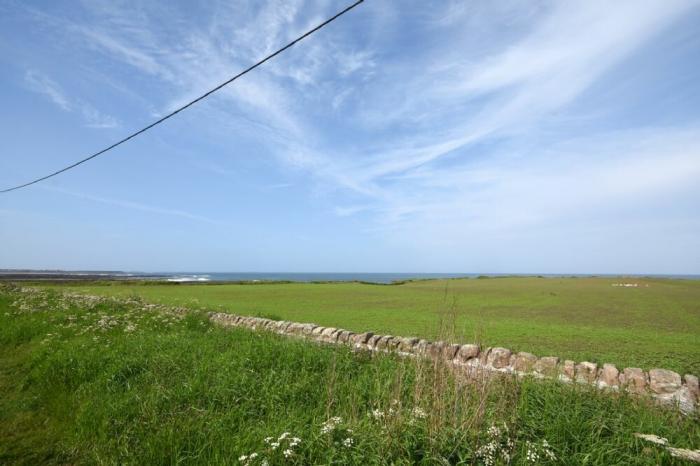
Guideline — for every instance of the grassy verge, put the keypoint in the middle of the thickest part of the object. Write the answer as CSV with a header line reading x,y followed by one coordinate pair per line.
x,y
652,325
118,381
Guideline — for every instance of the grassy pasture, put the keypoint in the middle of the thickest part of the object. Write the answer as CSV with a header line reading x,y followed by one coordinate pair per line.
x,y
656,324
107,381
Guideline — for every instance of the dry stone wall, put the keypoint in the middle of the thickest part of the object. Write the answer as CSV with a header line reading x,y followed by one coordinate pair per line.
x,y
666,386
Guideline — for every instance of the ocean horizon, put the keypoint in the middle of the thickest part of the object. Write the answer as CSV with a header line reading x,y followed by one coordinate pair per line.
x,y
303,277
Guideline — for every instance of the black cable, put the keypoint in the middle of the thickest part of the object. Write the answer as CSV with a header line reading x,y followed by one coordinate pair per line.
x,y
203,96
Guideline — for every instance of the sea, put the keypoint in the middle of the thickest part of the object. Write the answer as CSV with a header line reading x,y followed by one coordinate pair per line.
x,y
202,277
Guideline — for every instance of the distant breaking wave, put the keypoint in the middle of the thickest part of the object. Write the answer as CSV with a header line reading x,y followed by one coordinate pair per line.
x,y
190,278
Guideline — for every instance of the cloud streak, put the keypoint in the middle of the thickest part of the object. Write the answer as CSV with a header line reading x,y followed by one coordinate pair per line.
x,y
135,206
45,86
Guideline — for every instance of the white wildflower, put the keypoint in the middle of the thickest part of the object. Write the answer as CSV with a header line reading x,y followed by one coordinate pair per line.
x,y
274,445
494,431
288,453
328,426
347,442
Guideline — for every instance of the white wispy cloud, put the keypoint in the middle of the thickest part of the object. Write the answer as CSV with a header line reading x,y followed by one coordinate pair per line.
x,y
44,85
595,175
565,52
135,205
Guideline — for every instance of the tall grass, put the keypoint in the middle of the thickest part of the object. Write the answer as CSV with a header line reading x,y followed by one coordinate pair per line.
x,y
108,381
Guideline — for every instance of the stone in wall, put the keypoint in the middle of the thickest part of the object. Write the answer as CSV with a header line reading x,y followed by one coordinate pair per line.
x,y
435,349
586,372
394,344
327,334
498,358
345,336
449,351
663,381
523,362
384,342
693,386
484,356
546,366
634,380
685,400
467,353
372,342
362,338
407,344
567,371
609,377
283,326
421,347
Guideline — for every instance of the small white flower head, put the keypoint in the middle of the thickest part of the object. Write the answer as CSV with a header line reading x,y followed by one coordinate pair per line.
x,y
268,439
347,442
242,458
288,453
274,445
494,431
253,456
294,442
419,413
377,414
328,426
284,436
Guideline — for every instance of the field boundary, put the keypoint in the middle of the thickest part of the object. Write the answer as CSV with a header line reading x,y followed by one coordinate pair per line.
x,y
665,386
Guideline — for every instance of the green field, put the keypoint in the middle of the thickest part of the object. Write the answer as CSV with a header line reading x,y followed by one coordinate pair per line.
x,y
112,381
656,324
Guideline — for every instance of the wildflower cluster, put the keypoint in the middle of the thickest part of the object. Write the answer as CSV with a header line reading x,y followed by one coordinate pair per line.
x,y
395,411
74,314
330,425
278,449
537,452
499,446
339,435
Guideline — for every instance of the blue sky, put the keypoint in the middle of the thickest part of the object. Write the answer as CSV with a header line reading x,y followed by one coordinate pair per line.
x,y
417,136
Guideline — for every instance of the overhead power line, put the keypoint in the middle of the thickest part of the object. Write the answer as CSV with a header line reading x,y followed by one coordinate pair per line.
x,y
189,104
